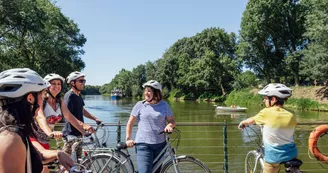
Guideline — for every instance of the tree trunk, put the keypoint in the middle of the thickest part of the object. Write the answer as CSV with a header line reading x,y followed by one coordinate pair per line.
x,y
222,90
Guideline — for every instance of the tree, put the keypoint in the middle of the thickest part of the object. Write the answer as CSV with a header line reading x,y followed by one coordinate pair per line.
x,y
271,37
35,34
315,62
246,79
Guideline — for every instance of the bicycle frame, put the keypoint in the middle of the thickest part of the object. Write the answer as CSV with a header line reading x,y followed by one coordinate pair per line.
x,y
166,152
259,152
259,158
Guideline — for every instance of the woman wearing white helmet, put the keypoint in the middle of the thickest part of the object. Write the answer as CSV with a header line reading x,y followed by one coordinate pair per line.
x,y
278,127
21,91
52,112
152,114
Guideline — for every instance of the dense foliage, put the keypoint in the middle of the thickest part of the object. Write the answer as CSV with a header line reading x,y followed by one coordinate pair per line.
x,y
91,90
35,34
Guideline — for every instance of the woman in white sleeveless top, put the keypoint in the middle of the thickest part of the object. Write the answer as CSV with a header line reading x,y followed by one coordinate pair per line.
x,y
52,112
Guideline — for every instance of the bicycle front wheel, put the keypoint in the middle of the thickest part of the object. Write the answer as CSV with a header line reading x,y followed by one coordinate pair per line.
x,y
104,163
125,160
186,164
253,162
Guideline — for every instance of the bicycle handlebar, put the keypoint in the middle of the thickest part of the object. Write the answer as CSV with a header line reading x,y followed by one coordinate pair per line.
x,y
163,132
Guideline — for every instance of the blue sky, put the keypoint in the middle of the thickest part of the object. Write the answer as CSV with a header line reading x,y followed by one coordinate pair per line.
x,y
125,34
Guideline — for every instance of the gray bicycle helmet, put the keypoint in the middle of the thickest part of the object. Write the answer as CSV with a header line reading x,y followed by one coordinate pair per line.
x,y
74,76
53,76
276,89
154,84
17,82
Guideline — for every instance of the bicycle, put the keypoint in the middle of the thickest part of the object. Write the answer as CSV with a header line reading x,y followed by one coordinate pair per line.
x,y
254,160
77,168
98,158
100,151
167,160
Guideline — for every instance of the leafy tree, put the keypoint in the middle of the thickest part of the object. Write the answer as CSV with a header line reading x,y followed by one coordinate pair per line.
x,y
204,62
35,34
271,37
315,62
139,75
246,79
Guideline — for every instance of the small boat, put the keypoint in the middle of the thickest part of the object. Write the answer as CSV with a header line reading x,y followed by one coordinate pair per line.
x,y
116,94
230,109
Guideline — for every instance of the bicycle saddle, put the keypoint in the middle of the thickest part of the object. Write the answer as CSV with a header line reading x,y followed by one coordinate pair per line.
x,y
293,163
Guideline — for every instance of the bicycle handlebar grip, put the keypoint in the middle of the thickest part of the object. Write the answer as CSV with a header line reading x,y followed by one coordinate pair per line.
x,y
121,145
164,132
51,136
100,123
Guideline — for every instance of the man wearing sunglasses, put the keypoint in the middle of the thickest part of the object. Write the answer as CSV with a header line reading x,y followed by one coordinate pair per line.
x,y
75,104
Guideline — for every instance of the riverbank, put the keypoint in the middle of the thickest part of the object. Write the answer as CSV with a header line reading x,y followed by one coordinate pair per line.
x,y
313,98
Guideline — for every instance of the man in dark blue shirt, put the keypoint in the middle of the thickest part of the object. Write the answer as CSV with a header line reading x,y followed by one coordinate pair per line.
x,y
75,104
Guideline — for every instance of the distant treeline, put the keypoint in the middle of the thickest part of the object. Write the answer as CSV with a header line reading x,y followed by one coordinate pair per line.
x,y
279,41
91,90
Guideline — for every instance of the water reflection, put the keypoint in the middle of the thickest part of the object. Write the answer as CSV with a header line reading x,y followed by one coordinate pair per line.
x,y
231,114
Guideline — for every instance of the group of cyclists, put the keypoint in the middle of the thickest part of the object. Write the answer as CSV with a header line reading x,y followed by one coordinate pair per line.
x,y
30,106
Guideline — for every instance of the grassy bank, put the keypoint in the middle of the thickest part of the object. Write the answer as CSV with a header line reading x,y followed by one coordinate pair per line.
x,y
297,101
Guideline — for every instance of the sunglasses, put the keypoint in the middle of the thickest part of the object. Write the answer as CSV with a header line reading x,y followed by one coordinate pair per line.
x,y
82,80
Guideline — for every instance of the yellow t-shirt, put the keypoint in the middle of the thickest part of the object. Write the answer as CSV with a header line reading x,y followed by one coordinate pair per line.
x,y
278,129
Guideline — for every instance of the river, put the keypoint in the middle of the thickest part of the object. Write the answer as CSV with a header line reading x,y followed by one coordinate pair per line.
x,y
206,142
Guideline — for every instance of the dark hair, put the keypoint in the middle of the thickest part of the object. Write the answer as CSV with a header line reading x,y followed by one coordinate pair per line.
x,y
18,114
157,94
280,101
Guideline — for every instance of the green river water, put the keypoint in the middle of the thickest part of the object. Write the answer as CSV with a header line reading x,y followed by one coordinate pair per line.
x,y
206,142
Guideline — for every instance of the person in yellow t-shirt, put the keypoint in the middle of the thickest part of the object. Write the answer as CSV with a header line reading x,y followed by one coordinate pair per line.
x,y
278,127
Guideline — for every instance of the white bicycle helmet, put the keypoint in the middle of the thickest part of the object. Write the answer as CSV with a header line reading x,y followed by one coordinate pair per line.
x,y
73,76
53,76
154,84
17,82
276,89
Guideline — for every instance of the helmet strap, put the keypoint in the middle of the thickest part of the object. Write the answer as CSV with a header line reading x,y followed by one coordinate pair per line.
x,y
74,86
50,94
270,98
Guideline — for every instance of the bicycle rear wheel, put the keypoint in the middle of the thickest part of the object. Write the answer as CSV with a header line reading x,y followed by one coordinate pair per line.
x,y
186,164
104,163
253,162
